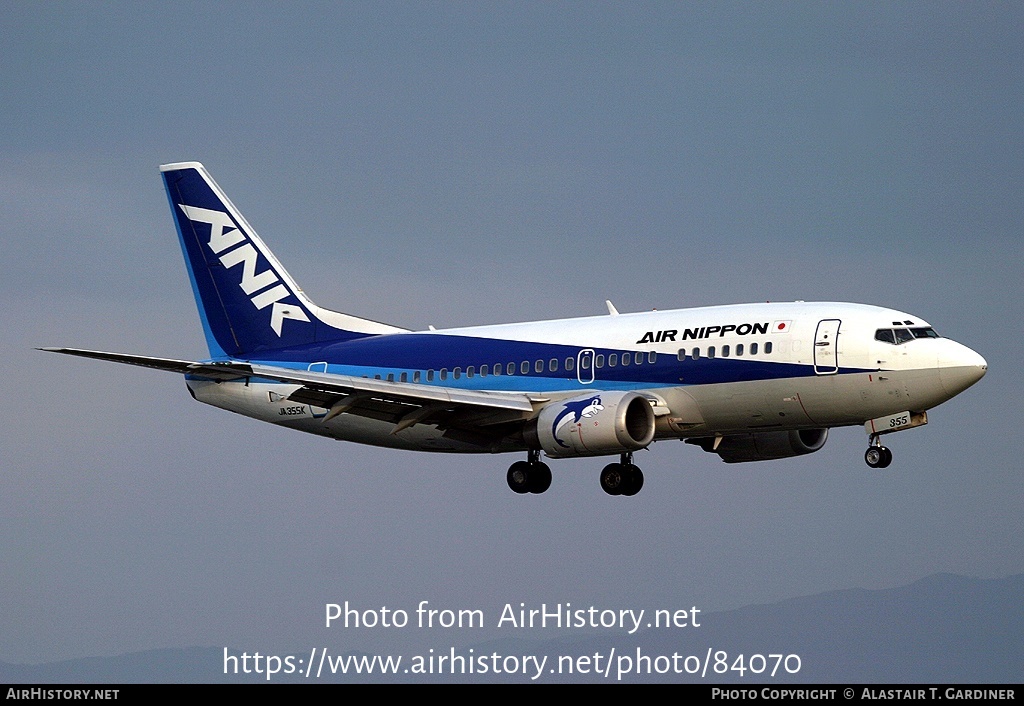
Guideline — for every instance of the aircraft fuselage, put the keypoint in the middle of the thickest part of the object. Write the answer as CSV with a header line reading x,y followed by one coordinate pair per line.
x,y
759,368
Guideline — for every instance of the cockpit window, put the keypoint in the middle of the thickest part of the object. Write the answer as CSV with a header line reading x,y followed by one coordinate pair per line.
x,y
885,335
896,336
902,335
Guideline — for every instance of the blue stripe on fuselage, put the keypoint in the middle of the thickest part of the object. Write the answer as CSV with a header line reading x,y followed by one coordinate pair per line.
x,y
407,353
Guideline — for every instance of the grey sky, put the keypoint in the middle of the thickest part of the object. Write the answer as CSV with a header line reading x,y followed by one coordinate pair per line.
x,y
455,164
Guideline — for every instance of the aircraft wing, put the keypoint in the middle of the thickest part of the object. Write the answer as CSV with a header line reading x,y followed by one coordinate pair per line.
x,y
402,403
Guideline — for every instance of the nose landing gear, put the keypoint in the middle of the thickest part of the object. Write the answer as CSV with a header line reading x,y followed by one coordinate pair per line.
x,y
877,456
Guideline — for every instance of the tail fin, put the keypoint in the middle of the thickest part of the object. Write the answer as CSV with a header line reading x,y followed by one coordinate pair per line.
x,y
255,307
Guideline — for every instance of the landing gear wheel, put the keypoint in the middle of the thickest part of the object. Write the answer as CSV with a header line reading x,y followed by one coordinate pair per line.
x,y
528,477
614,479
635,478
622,479
518,477
878,457
540,477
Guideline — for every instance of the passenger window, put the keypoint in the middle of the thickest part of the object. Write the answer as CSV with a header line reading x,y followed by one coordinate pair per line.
x,y
524,367
457,373
753,349
430,376
681,355
767,347
600,360
638,357
570,364
652,357
416,376
696,353
613,360
739,350
538,367
711,351
376,377
510,368
625,359
725,351
391,377
405,377
470,371
443,373
585,363
484,369
553,365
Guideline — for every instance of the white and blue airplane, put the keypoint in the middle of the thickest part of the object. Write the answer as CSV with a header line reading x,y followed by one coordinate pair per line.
x,y
749,382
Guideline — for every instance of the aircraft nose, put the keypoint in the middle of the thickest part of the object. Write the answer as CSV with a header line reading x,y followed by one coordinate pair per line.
x,y
959,367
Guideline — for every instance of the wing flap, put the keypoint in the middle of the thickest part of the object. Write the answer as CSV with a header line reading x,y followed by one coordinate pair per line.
x,y
328,383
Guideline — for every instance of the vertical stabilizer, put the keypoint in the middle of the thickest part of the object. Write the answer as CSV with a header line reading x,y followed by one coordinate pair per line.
x,y
248,303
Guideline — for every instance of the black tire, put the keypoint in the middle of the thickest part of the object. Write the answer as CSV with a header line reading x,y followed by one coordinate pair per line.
x,y
540,477
519,477
635,481
614,479
878,457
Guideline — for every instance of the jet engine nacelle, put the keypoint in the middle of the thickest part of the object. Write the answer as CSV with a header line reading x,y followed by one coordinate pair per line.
x,y
764,446
594,424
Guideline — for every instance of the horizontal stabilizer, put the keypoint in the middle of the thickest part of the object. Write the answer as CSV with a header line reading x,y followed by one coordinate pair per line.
x,y
329,383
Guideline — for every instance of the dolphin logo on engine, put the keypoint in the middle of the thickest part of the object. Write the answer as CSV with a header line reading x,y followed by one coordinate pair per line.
x,y
579,410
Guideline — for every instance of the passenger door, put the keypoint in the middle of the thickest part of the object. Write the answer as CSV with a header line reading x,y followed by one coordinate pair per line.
x,y
826,347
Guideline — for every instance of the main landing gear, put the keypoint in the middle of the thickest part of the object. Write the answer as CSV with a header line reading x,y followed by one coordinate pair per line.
x,y
533,476
530,476
877,456
622,478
